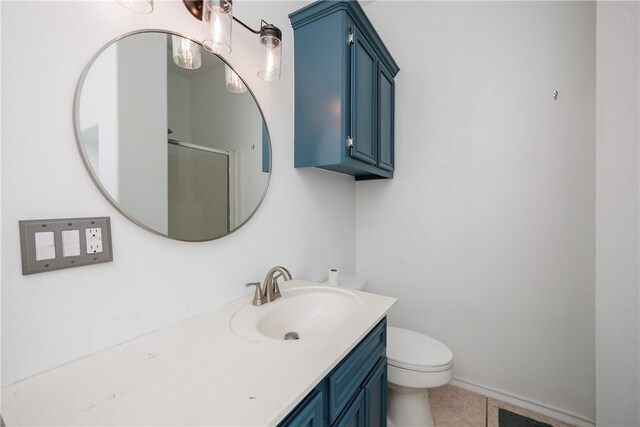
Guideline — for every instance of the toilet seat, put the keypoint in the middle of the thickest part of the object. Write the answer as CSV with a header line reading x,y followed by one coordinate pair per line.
x,y
416,352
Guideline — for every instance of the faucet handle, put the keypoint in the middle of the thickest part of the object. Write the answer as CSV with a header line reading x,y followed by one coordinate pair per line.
x,y
258,297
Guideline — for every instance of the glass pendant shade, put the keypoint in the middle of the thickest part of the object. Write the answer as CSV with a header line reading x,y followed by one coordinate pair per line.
x,y
217,16
271,47
186,53
234,83
140,6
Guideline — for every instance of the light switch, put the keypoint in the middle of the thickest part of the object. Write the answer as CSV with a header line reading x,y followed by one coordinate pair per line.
x,y
45,245
94,240
70,243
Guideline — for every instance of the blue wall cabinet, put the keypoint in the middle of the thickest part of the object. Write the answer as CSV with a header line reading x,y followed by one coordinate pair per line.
x,y
354,393
344,91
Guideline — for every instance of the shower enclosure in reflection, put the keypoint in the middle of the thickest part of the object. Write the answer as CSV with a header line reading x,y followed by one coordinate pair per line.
x,y
201,189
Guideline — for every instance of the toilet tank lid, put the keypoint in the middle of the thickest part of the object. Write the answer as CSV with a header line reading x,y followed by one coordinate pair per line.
x,y
413,350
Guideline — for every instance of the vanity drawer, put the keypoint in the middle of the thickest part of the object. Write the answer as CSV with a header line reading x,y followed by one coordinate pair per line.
x,y
347,378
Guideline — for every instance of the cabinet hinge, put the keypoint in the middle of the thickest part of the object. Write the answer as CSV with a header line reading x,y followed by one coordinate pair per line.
x,y
350,38
349,142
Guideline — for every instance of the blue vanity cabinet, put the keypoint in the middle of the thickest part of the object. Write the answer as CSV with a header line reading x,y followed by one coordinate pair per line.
x,y
344,91
354,393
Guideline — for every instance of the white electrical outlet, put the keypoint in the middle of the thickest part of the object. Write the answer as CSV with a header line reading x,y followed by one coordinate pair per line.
x,y
94,240
94,247
94,233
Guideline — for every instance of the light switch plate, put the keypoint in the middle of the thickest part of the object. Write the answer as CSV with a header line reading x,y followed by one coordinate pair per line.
x,y
70,243
64,259
45,245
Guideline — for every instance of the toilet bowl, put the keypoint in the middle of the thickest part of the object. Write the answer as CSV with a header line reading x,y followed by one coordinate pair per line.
x,y
415,363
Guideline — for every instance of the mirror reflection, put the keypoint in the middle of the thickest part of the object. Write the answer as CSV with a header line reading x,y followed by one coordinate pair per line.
x,y
172,136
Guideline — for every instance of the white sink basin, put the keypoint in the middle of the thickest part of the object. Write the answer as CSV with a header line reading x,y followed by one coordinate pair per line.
x,y
312,312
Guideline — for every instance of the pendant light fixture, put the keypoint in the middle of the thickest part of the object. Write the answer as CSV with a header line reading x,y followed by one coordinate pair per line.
x,y
139,6
217,16
271,47
234,82
186,53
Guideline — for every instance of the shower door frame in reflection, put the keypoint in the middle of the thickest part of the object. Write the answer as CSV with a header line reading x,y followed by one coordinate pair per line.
x,y
230,193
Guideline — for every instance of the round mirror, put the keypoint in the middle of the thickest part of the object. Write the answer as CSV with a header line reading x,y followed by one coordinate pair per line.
x,y
172,136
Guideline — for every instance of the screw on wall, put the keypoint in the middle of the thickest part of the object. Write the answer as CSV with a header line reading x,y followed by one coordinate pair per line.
x,y
555,95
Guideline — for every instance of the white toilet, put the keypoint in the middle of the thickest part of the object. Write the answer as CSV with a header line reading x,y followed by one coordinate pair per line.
x,y
415,362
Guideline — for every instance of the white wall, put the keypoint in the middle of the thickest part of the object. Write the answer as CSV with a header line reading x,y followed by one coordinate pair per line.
x,y
486,232
617,215
306,222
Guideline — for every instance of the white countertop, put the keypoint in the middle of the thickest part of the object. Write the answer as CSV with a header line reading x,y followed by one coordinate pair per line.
x,y
196,372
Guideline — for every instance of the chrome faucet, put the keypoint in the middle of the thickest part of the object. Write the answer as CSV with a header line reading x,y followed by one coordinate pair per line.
x,y
271,290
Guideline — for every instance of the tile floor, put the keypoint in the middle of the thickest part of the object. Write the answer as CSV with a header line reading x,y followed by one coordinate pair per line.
x,y
455,407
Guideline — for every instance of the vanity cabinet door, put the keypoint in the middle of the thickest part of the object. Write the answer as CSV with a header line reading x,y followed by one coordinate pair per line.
x,y
386,102
363,99
310,413
375,396
354,415
348,377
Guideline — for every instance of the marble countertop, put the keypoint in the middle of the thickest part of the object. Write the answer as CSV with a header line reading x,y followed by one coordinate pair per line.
x,y
196,372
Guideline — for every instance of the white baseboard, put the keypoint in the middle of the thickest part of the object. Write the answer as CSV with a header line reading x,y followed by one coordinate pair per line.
x,y
540,408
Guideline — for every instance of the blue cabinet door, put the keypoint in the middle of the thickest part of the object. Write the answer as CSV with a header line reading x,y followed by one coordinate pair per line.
x,y
310,413
375,396
363,99
345,380
386,102
354,414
